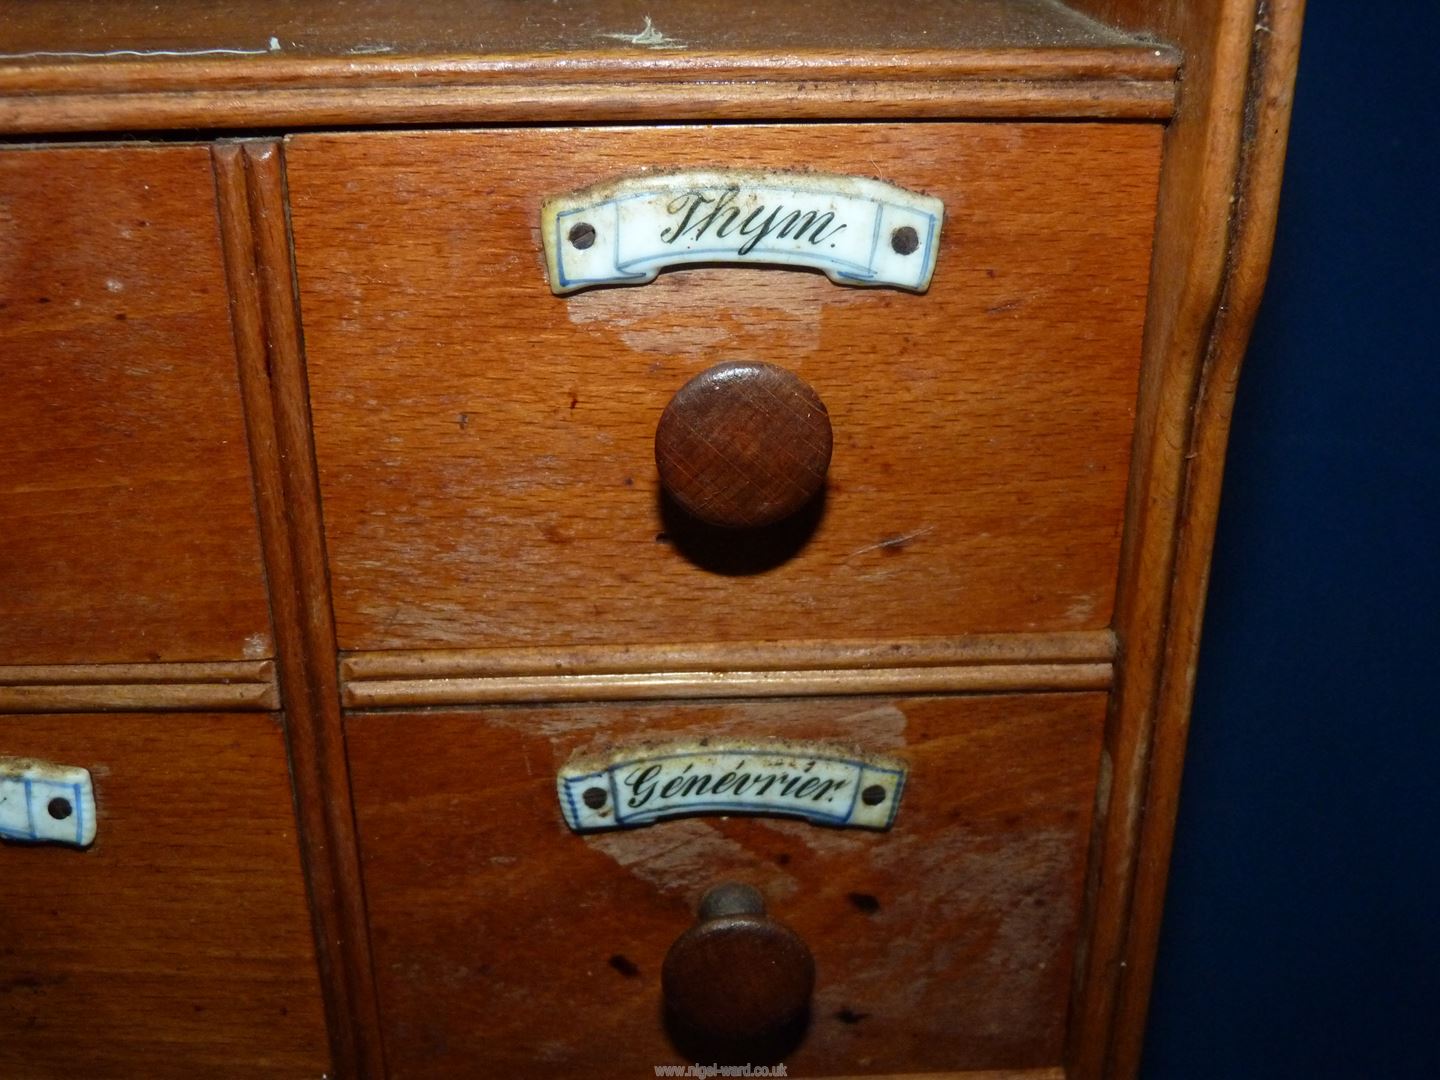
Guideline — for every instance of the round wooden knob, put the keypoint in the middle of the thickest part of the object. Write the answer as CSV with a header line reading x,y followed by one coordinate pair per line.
x,y
743,444
737,976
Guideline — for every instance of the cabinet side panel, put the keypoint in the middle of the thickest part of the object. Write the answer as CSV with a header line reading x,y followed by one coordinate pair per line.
x,y
1218,190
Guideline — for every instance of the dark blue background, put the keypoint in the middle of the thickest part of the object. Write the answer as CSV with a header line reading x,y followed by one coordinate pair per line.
x,y
1302,930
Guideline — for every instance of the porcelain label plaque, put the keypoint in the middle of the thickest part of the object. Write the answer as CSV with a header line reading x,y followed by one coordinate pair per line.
x,y
857,231
41,802
638,786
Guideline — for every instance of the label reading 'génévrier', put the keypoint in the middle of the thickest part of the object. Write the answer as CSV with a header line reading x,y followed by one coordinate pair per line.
x,y
640,785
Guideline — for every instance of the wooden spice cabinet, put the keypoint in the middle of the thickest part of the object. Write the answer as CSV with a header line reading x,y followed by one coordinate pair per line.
x,y
329,532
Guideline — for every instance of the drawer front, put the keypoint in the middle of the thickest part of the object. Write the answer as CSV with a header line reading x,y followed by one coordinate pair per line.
x,y
179,943
506,945
486,448
130,530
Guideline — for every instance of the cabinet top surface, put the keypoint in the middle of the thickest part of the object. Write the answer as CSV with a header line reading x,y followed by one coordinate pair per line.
x,y
91,66
255,32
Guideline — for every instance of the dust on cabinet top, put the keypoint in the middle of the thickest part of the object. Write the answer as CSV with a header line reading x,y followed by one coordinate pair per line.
x,y
103,30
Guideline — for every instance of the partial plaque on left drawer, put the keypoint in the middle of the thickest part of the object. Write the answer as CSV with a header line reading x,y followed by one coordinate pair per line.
x,y
42,802
178,943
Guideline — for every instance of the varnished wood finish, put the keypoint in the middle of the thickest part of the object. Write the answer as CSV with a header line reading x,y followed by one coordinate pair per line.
x,y
129,529
982,30
743,445
486,447
250,179
679,685
1269,94
1075,661
580,102
178,944
942,944
458,582
248,684
127,65
1219,188
1082,646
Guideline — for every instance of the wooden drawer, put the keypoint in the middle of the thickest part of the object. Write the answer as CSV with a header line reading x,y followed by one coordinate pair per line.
x,y
129,527
179,943
505,945
486,448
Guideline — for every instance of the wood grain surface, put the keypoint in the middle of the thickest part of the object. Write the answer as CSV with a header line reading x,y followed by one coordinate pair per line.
x,y
390,693
1080,660
129,528
250,185
752,655
178,944
1078,646
1262,116
1219,189
485,447
888,96
494,535
943,944
244,684
127,65
495,28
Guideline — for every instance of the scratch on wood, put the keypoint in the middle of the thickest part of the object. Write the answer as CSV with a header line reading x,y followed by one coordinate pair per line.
x,y
649,37
271,47
894,543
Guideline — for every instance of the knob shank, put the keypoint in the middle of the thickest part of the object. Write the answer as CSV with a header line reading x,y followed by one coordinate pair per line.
x,y
737,976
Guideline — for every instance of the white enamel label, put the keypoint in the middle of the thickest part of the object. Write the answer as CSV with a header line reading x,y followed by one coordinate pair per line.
x,y
41,802
856,230
822,784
